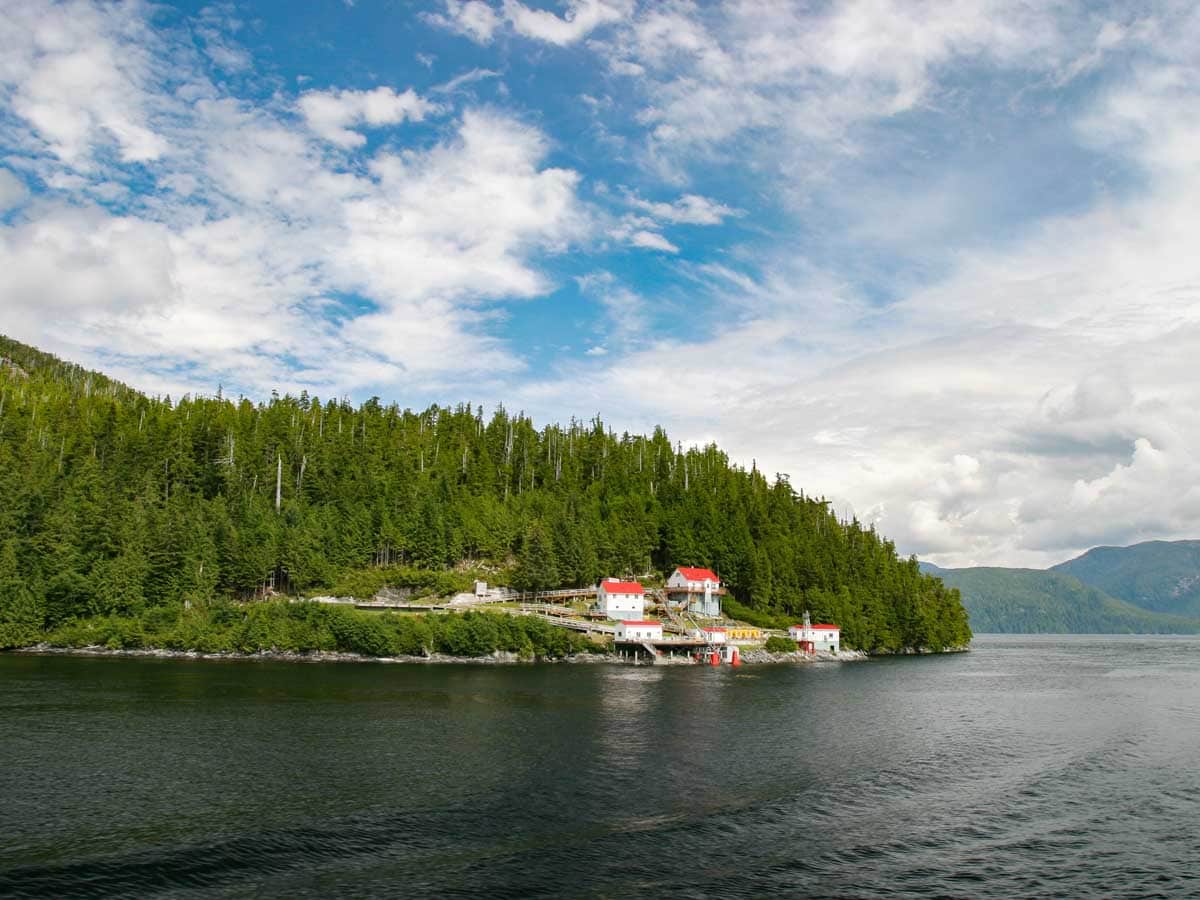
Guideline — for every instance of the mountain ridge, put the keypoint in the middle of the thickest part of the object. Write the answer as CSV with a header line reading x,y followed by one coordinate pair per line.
x,y
1162,576
1152,587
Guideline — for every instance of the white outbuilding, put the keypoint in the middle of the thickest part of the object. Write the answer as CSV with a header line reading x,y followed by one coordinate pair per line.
x,y
621,599
639,631
816,637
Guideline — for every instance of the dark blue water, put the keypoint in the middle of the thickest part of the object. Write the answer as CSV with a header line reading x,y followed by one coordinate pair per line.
x,y
1029,767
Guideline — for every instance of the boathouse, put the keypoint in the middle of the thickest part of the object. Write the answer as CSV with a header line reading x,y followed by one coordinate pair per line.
x,y
639,631
621,599
715,635
697,590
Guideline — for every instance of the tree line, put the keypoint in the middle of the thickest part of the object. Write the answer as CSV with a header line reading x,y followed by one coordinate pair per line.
x,y
113,502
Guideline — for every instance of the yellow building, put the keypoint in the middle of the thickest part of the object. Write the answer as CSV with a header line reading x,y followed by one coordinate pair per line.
x,y
743,633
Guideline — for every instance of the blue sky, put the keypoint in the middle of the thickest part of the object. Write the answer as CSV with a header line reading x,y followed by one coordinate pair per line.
x,y
935,260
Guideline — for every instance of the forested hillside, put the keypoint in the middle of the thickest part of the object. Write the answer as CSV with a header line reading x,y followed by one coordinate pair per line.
x,y
1159,575
1034,601
112,502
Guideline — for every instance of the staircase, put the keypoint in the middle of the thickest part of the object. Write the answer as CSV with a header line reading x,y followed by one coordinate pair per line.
x,y
674,622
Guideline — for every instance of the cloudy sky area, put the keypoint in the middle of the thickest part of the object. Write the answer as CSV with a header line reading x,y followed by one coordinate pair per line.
x,y
938,261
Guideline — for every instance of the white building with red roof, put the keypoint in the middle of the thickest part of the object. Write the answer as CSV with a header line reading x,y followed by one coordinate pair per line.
x,y
639,630
715,635
621,599
816,637
699,589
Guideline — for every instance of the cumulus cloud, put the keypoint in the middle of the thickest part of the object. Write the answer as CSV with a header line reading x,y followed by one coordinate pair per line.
x,y
473,19
479,21
266,264
81,77
580,18
332,114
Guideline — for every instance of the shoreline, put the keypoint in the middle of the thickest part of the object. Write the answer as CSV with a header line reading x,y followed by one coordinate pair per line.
x,y
498,657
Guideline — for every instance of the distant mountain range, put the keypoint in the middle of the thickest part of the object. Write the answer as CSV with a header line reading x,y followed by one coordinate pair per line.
x,y
1148,588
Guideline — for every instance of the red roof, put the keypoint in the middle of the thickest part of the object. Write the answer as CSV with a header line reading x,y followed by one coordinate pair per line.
x,y
622,587
713,629
820,627
698,574
641,623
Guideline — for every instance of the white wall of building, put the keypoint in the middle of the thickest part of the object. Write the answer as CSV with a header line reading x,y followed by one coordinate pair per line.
x,y
621,605
639,631
821,638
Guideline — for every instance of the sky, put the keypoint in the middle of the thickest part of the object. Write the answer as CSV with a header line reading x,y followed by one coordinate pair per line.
x,y
939,262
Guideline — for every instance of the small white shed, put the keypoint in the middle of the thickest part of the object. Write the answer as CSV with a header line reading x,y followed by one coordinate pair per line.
x,y
640,630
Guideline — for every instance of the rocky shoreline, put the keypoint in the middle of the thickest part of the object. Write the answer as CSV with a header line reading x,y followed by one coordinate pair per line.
x,y
498,657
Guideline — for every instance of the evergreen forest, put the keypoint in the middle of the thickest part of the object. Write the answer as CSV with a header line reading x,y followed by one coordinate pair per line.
x,y
115,503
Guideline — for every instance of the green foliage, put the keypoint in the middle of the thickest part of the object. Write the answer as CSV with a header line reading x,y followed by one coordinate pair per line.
x,y
777,644
113,504
537,569
365,583
763,618
303,627
14,634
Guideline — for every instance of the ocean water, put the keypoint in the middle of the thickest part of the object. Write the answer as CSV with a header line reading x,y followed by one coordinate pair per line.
x,y
1032,766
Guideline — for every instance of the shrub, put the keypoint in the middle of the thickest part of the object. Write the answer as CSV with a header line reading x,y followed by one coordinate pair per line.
x,y
776,644
360,633
14,634
160,620
364,583
759,617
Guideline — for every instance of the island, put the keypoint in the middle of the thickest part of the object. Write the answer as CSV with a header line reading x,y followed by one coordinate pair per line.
x,y
218,525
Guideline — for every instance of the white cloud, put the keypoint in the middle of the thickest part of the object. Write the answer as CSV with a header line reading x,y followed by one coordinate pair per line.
x,y
264,251
627,315
473,19
13,191
581,18
794,81
480,21
71,265
690,209
469,77
332,114
79,75
652,240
